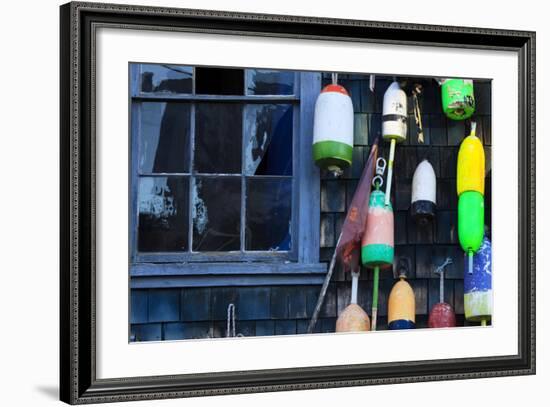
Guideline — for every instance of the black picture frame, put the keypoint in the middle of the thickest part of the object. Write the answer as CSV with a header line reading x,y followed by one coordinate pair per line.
x,y
78,382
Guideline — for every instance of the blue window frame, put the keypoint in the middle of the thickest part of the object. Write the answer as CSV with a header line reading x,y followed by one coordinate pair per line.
x,y
199,158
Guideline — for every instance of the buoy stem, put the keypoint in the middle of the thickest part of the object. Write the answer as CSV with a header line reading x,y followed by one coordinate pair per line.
x,y
441,285
470,261
390,171
375,297
354,286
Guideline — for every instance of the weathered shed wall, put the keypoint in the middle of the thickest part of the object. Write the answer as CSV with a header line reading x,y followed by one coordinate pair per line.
x,y
167,314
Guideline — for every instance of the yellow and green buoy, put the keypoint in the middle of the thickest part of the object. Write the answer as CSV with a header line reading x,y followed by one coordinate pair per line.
x,y
470,185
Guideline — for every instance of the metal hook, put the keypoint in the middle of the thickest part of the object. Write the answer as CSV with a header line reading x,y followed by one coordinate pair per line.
x,y
447,262
377,181
380,166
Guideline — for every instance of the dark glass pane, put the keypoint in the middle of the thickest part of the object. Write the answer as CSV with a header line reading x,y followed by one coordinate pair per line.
x,y
268,131
163,205
269,82
217,214
268,211
218,138
166,78
219,81
164,141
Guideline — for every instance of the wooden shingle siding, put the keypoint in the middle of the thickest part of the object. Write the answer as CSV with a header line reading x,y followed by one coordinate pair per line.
x,y
138,305
285,309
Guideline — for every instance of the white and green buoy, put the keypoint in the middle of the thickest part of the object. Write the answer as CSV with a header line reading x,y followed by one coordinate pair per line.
x,y
333,129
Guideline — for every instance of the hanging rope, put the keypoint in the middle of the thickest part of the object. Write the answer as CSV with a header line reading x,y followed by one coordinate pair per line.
x,y
335,78
230,321
417,113
441,271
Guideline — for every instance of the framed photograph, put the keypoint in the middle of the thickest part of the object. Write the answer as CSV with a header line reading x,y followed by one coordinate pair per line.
x,y
255,203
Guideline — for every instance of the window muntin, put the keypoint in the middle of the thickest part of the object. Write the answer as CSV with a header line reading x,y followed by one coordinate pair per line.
x,y
233,149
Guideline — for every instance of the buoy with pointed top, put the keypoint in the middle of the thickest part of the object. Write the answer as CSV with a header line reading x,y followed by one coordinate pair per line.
x,y
442,314
478,294
423,198
470,189
353,318
457,97
394,125
401,305
333,129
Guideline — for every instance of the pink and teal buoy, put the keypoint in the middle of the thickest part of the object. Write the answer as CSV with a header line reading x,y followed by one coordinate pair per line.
x,y
377,246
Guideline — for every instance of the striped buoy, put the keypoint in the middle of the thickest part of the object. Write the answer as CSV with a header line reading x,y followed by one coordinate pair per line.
x,y
394,125
333,129
478,295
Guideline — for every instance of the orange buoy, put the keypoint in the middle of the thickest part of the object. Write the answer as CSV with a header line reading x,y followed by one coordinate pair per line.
x,y
353,318
401,305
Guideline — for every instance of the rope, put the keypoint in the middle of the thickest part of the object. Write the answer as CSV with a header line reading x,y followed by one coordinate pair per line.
x,y
441,271
335,78
417,113
231,321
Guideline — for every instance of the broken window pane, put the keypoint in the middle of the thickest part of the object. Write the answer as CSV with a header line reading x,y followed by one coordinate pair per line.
x,y
268,135
163,207
268,212
216,214
218,138
269,82
219,81
164,138
166,78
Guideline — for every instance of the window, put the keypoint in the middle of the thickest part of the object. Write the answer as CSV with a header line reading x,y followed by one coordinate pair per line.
x,y
223,186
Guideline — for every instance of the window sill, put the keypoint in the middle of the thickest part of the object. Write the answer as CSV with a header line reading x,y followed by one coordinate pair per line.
x,y
174,275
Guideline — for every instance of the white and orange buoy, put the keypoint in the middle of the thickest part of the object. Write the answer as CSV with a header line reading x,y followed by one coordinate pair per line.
x,y
353,318
333,129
